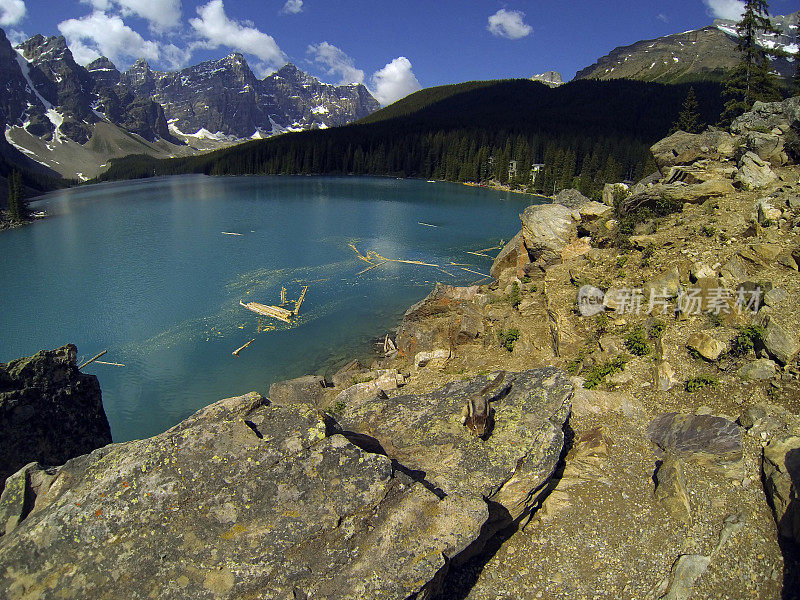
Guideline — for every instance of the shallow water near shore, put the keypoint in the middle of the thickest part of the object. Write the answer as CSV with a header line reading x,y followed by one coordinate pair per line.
x,y
144,270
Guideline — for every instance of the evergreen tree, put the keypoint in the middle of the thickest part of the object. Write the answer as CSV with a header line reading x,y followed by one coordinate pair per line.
x,y
11,203
752,78
17,210
689,117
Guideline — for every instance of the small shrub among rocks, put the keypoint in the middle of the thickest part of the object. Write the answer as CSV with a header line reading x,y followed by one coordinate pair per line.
x,y
636,342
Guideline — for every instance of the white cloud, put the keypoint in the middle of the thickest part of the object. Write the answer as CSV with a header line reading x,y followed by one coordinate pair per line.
x,y
11,12
662,17
336,61
262,70
292,7
100,34
175,58
725,9
161,14
509,24
216,29
16,37
394,81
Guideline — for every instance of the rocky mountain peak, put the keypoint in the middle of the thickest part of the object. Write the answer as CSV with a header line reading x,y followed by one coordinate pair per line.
x,y
235,58
104,72
140,77
47,48
290,72
101,64
141,68
551,78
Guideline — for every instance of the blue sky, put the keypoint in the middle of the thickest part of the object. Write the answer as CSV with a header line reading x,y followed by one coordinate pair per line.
x,y
389,45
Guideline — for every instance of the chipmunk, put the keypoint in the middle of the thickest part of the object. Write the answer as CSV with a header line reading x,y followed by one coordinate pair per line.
x,y
477,415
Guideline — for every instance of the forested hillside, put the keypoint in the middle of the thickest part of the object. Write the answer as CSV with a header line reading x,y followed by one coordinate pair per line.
x,y
584,133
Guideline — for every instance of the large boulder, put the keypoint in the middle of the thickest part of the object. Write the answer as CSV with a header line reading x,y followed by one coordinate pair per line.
x,y
758,370
754,173
702,438
571,198
769,116
514,255
241,500
594,210
508,468
683,148
780,343
664,285
547,229
49,411
706,345
447,317
767,146
658,196
309,389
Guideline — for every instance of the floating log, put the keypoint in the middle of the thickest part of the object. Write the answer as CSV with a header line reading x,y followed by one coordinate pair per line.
x,y
274,312
240,348
113,364
408,262
361,256
230,233
492,248
426,224
370,268
300,301
91,360
478,254
475,272
283,296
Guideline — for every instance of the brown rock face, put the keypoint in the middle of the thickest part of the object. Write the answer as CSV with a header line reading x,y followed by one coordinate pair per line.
x,y
447,317
250,500
49,411
513,256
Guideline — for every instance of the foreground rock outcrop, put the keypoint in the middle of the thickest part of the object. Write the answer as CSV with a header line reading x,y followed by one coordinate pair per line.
x,y
510,468
247,499
49,411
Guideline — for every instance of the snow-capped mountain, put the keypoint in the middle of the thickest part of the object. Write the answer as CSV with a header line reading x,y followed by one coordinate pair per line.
x,y
223,98
707,53
787,40
73,119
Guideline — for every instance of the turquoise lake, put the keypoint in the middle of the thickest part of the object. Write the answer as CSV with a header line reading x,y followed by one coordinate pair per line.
x,y
144,270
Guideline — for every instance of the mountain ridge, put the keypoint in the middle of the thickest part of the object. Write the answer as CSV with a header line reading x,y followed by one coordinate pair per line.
x,y
72,119
705,53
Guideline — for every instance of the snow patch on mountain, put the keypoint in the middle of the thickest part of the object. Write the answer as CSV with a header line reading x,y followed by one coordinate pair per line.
x,y
25,68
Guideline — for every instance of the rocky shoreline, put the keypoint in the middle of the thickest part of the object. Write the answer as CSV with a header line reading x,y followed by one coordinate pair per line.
x,y
636,363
